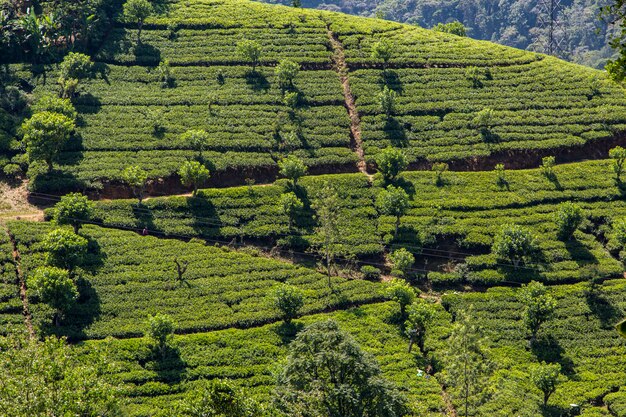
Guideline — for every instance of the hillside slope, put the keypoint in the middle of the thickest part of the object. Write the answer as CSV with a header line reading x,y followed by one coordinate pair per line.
x,y
540,104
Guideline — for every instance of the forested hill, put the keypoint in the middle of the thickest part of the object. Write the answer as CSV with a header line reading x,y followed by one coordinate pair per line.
x,y
584,37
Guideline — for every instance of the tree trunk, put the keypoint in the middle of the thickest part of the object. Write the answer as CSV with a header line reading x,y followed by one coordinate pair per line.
x,y
546,397
49,162
395,234
76,226
139,26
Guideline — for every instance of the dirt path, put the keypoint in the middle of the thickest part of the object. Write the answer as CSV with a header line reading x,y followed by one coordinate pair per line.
x,y
22,282
339,65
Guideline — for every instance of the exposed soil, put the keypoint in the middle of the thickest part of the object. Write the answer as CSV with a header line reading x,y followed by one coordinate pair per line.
x,y
14,203
22,283
339,65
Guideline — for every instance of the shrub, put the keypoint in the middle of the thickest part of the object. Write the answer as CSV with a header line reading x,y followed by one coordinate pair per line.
x,y
500,175
55,288
391,162
193,174
547,166
439,168
387,100
515,244
538,306
402,260
370,272
64,248
74,209
249,51
567,218
382,51
288,300
455,28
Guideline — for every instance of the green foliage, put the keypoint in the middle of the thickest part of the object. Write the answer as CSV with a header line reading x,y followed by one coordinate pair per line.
x,y
500,175
484,120
401,292
420,316
53,104
55,288
568,218
292,168
160,328
288,300
393,201
74,209
382,51
136,178
327,373
476,76
546,377
45,134
193,174
618,155
439,168
196,139
217,398
619,231
547,166
165,74
291,205
455,28
539,306
402,260
65,249
370,272
48,378
249,51
467,365
387,100
75,65
515,244
391,162
286,71
137,11
327,207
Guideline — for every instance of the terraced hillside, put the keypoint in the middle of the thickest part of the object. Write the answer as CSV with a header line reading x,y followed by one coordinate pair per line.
x,y
540,105
213,260
448,223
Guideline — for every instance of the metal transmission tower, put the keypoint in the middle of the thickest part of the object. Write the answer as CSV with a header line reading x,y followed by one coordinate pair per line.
x,y
549,24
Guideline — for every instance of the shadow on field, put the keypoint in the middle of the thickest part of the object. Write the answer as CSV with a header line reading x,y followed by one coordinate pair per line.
x,y
580,253
548,349
144,218
288,331
394,131
147,54
602,307
553,411
168,365
391,79
257,81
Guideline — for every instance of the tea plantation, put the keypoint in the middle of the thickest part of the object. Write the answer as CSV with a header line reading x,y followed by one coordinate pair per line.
x,y
378,219
442,82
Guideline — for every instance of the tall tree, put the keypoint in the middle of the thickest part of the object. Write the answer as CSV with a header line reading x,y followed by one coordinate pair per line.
x,y
538,304
327,374
45,134
136,178
137,11
249,51
74,209
546,377
327,213
49,378
160,330
193,174
55,288
467,364
420,316
64,249
401,292
391,162
196,139
515,244
288,300
293,168
393,201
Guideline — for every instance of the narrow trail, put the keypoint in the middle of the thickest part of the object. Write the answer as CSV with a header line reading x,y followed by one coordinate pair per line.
x,y
22,282
450,410
339,65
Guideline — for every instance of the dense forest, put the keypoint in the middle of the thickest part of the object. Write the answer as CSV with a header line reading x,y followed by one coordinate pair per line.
x,y
582,36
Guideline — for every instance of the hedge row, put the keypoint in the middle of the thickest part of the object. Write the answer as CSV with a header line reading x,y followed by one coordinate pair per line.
x,y
249,357
580,337
128,276
10,302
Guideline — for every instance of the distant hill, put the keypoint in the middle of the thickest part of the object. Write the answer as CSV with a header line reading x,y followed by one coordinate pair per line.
x,y
584,38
